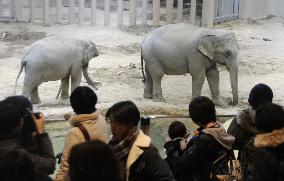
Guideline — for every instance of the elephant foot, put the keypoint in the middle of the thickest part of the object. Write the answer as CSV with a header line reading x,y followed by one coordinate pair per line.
x,y
218,102
158,99
64,96
147,96
36,101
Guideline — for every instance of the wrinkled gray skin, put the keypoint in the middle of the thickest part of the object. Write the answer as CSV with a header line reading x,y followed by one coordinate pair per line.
x,y
55,58
179,48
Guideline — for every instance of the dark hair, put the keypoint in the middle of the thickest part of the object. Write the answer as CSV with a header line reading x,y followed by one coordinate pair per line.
x,y
12,109
260,93
176,129
202,110
124,112
15,165
93,160
83,100
269,116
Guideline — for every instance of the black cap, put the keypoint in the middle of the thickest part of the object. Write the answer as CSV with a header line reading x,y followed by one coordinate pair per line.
x,y
260,93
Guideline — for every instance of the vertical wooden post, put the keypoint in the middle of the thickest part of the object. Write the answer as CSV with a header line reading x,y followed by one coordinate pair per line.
x,y
0,7
58,10
81,12
208,13
144,11
93,12
156,12
45,12
169,11
179,11
32,11
107,12
132,13
71,11
120,12
192,12
12,9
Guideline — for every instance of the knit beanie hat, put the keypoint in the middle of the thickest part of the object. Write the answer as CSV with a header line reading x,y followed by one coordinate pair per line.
x,y
260,93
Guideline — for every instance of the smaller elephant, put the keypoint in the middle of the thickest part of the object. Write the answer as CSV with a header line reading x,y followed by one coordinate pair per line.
x,y
55,58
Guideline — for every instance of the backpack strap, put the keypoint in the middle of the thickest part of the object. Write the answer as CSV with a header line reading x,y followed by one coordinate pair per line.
x,y
84,131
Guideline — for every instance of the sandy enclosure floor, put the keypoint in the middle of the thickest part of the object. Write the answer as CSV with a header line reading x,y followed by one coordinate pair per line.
x,y
261,59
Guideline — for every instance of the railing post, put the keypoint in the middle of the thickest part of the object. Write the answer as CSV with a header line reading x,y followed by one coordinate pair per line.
x,y
93,12
120,13
32,11
179,11
208,13
81,12
192,12
144,11
145,125
107,12
58,10
169,11
132,16
71,11
156,12
45,12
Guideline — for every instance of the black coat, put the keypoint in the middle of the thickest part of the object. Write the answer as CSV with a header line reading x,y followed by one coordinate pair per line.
x,y
196,162
43,159
150,167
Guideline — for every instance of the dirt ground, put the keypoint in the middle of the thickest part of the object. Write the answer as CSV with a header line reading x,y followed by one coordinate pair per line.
x,y
118,68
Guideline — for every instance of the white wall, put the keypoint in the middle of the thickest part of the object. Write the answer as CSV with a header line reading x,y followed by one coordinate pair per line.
x,y
261,8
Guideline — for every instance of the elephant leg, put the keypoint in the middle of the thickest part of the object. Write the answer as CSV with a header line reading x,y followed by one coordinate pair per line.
x,y
213,81
197,83
65,87
148,90
76,76
35,96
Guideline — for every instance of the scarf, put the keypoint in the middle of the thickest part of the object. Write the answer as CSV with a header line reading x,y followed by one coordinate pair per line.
x,y
122,150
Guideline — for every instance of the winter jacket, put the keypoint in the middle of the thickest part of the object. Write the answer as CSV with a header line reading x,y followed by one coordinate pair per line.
x,y
96,127
244,130
196,161
43,159
145,163
269,156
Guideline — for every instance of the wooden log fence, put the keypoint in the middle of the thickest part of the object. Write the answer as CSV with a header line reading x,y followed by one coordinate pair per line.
x,y
212,11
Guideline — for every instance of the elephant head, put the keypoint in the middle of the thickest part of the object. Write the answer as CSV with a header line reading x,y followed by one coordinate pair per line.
x,y
90,51
222,48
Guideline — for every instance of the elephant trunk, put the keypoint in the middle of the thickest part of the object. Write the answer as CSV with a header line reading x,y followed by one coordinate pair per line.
x,y
86,75
233,71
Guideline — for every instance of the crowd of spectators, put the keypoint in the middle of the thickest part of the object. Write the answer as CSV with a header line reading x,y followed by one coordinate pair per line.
x,y
257,133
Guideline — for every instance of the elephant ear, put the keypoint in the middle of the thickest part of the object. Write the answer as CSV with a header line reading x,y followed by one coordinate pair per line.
x,y
207,46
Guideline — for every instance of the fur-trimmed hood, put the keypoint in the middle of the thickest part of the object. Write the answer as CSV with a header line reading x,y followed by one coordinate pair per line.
x,y
246,119
272,139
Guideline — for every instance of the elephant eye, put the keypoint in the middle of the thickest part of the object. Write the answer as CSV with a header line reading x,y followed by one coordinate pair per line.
x,y
228,53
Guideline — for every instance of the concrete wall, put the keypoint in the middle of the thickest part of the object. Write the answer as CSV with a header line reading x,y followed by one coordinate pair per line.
x,y
260,8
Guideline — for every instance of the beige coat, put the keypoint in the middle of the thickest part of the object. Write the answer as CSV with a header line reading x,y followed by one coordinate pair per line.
x,y
97,129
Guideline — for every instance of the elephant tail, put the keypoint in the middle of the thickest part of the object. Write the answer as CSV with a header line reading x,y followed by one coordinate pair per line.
x,y
59,91
23,64
142,68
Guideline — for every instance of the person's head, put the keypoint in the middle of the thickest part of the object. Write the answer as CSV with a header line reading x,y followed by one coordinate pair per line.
x,y
12,111
176,129
83,100
260,93
202,110
93,160
124,117
269,117
16,165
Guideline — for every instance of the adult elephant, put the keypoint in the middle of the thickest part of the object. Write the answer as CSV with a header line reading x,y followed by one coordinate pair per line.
x,y
55,58
179,48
